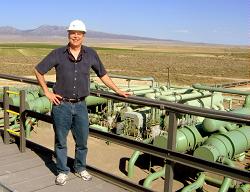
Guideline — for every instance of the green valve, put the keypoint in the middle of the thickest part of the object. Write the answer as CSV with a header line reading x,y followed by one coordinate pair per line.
x,y
225,144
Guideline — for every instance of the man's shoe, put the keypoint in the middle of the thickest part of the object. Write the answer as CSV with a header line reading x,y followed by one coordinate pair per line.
x,y
61,179
84,175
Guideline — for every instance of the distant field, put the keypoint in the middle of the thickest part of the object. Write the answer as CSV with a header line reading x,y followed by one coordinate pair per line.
x,y
187,64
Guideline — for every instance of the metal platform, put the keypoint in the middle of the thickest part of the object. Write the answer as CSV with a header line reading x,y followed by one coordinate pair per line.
x,y
34,171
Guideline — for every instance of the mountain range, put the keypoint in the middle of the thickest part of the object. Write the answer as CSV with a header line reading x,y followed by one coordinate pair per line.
x,y
61,31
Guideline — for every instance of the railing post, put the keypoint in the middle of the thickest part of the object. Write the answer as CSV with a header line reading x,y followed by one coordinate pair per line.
x,y
171,145
6,135
22,121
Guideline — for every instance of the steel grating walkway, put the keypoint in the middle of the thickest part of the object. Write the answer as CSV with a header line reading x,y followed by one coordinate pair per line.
x,y
34,171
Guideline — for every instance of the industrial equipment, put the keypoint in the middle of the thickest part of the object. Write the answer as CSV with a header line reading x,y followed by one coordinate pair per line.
x,y
210,139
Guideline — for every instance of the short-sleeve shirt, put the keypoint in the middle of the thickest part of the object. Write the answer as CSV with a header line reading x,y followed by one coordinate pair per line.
x,y
72,75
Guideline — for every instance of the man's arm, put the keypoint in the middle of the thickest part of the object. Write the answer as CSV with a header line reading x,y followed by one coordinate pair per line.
x,y
51,96
109,83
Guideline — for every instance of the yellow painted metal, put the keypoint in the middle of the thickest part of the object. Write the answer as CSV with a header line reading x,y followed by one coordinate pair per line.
x,y
13,112
13,92
13,132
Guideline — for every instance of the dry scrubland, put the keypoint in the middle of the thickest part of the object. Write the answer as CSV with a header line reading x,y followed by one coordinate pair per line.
x,y
187,64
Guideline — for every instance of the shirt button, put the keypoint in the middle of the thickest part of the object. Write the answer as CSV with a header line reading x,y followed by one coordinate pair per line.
x,y
74,87
75,79
75,70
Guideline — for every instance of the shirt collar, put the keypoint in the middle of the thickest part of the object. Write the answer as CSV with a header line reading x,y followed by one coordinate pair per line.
x,y
66,49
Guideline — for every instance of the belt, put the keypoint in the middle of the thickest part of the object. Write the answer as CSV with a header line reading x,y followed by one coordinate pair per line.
x,y
73,100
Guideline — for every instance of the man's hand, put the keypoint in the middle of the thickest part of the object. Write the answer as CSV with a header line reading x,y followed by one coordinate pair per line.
x,y
54,98
123,93
109,83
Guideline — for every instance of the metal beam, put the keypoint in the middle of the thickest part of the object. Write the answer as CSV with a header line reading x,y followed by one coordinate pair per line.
x,y
22,122
6,115
171,145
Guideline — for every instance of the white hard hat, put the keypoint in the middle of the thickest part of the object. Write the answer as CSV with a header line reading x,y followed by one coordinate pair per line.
x,y
77,25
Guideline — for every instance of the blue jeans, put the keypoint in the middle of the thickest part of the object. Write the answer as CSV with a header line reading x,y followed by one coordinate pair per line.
x,y
72,116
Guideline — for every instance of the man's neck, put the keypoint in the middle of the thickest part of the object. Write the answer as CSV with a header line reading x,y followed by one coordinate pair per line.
x,y
75,48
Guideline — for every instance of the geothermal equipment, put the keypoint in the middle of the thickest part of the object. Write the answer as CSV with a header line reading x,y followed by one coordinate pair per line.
x,y
210,139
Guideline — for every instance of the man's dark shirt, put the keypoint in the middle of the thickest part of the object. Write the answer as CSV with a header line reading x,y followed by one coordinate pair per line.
x,y
72,76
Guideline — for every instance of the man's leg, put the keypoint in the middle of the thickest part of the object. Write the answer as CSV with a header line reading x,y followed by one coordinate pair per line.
x,y
80,131
62,119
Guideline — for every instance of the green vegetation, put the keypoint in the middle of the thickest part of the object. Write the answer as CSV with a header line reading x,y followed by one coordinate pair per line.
x,y
110,49
47,46
28,45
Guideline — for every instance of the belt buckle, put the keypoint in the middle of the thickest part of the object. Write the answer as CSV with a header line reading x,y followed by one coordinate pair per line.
x,y
68,100
72,100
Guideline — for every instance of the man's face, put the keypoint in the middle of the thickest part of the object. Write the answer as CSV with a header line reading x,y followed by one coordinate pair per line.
x,y
76,38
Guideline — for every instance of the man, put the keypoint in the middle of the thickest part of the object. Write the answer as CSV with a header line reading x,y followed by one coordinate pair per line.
x,y
72,64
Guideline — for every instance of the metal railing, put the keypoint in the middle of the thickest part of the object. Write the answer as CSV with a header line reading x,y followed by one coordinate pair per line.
x,y
169,154
7,111
234,84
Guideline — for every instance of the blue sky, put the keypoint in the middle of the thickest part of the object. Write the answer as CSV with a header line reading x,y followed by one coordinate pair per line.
x,y
208,21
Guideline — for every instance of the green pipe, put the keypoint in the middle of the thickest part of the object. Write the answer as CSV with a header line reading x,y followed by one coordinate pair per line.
x,y
223,90
40,104
28,124
177,98
91,100
195,185
131,163
29,96
15,126
143,92
135,88
212,125
227,181
215,101
243,110
225,144
134,78
10,120
134,157
216,182
41,93
43,105
168,92
187,138
247,102
153,176
243,188
225,184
